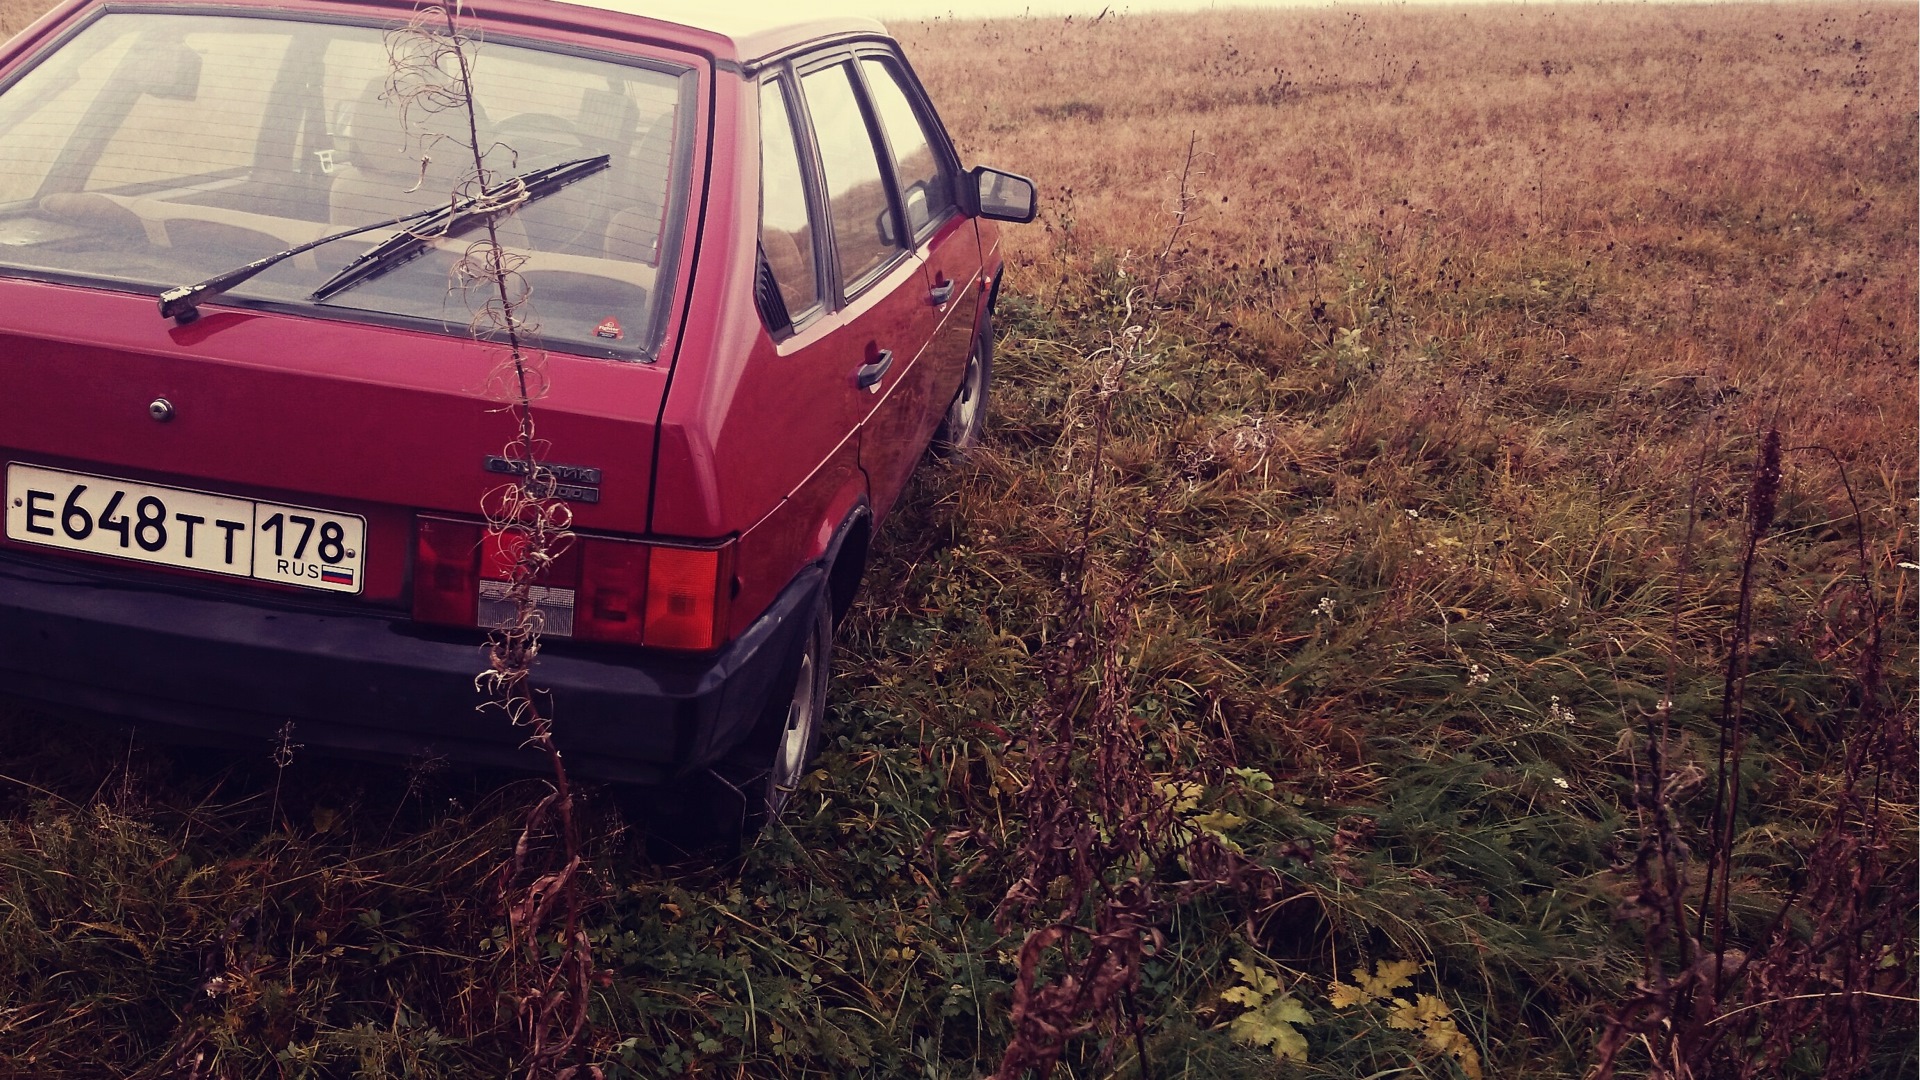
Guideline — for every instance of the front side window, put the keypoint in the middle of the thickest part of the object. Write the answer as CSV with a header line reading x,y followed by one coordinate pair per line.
x,y
925,186
786,231
152,151
863,234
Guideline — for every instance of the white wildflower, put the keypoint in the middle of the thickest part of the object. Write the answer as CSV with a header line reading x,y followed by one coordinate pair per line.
x,y
1477,675
1561,783
1325,609
1557,712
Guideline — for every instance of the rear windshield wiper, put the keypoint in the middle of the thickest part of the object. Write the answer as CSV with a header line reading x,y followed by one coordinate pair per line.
x,y
182,304
456,218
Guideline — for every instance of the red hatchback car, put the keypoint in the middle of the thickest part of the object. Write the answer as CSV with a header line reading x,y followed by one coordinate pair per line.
x,y
764,286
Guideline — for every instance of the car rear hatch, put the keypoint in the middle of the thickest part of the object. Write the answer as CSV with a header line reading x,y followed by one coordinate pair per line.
x,y
281,414
153,150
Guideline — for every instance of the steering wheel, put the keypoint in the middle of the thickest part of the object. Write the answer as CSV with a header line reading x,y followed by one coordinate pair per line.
x,y
564,219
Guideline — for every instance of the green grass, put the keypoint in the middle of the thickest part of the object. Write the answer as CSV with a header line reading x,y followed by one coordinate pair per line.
x,y
1438,666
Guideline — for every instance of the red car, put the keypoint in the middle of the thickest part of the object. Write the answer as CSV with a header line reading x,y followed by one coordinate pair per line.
x,y
248,424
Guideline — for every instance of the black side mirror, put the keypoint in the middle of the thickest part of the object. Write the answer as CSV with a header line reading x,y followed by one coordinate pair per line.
x,y
1002,196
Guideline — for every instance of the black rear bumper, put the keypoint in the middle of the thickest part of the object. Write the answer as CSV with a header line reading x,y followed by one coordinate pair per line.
x,y
372,683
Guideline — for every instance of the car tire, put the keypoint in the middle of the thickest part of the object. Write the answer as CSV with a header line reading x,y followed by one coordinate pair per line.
x,y
965,424
715,812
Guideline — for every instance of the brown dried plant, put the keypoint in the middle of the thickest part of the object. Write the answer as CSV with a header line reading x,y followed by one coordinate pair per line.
x,y
1106,850
1843,942
542,886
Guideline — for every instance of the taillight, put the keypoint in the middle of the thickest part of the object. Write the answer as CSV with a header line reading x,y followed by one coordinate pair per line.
x,y
553,592
598,589
687,597
612,604
446,571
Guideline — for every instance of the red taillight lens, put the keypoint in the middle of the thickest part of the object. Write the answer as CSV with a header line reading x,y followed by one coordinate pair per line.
x,y
446,571
612,601
597,589
500,552
687,592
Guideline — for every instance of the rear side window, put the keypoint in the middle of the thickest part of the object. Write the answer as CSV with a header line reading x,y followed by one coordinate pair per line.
x,y
925,186
786,230
863,234
155,150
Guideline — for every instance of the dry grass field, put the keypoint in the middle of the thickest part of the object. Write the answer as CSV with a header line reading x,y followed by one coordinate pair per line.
x,y
16,14
1441,439
1722,192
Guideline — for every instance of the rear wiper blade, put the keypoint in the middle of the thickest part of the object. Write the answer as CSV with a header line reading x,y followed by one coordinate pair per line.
x,y
456,218
182,303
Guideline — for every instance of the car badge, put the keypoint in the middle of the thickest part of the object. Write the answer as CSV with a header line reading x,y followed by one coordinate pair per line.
x,y
574,483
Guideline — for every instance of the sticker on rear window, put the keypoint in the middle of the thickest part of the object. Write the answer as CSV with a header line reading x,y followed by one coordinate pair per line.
x,y
609,328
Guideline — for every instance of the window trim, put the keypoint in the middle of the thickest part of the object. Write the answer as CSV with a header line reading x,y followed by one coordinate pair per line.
x,y
848,291
787,85
942,146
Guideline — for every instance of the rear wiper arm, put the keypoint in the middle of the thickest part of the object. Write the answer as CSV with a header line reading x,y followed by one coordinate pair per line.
x,y
182,303
456,218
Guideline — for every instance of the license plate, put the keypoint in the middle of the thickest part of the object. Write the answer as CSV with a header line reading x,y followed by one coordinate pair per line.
x,y
220,534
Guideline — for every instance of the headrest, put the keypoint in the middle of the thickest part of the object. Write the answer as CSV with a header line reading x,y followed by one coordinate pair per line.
x,y
377,138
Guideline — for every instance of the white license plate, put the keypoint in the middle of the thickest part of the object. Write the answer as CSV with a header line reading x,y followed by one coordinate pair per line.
x,y
291,545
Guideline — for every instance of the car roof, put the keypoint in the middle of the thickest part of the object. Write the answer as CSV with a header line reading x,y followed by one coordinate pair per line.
x,y
752,34
725,33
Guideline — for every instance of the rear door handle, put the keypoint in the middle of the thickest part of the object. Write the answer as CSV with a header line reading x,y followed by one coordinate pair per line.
x,y
869,375
941,293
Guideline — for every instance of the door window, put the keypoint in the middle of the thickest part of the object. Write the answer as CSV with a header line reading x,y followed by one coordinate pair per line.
x,y
864,236
925,186
786,231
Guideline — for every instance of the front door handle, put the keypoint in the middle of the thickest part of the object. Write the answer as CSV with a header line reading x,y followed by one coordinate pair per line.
x,y
940,293
869,375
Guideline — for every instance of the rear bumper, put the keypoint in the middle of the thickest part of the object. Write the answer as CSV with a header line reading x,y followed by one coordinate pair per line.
x,y
372,683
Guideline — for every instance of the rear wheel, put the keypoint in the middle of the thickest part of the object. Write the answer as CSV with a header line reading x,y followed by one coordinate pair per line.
x,y
796,728
965,424
716,811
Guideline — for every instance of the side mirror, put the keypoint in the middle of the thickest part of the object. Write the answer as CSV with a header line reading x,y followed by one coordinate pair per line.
x,y
1002,196
916,199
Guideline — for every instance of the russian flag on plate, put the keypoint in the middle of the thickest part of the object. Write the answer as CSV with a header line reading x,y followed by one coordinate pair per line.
x,y
336,577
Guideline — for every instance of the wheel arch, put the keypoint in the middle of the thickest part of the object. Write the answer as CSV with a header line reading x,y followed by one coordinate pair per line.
x,y
846,558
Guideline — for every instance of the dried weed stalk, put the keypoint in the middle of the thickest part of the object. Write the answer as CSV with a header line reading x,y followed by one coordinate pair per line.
x,y
1105,849
542,887
1842,944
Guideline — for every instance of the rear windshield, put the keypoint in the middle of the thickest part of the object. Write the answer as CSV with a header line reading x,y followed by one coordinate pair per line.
x,y
152,151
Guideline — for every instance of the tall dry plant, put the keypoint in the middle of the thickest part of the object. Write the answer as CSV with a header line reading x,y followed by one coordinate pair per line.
x,y
1842,944
543,885
1107,851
